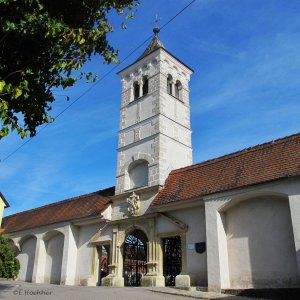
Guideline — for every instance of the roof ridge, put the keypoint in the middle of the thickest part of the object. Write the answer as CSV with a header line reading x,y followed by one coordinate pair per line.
x,y
237,153
59,202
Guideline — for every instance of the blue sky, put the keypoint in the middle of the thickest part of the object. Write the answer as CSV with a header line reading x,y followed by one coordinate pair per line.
x,y
244,91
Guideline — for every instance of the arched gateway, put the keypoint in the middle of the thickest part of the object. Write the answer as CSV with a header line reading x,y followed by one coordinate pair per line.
x,y
135,258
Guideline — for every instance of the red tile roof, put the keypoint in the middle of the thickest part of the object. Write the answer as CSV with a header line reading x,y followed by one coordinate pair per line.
x,y
263,163
75,208
267,162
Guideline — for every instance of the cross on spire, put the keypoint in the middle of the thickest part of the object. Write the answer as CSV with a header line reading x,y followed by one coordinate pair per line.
x,y
156,29
156,20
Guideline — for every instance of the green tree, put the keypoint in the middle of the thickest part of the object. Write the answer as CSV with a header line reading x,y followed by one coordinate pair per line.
x,y
9,264
42,43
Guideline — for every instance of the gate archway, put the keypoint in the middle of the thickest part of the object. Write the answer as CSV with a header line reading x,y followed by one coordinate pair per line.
x,y
135,258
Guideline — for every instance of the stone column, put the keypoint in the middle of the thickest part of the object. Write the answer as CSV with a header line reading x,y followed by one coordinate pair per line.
x,y
69,260
183,280
114,278
152,278
131,95
217,256
294,201
39,260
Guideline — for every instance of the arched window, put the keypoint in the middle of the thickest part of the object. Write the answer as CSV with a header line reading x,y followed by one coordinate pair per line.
x,y
136,90
145,85
169,84
178,90
138,173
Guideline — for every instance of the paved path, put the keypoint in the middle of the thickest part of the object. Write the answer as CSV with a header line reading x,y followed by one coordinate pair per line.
x,y
15,290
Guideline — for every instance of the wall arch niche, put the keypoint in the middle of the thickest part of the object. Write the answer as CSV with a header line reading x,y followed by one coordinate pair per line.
x,y
54,242
138,173
26,258
260,243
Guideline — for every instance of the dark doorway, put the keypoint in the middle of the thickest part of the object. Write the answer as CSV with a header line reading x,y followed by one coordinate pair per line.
x,y
135,258
103,256
171,259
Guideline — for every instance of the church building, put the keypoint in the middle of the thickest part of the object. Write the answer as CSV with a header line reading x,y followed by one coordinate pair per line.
x,y
232,222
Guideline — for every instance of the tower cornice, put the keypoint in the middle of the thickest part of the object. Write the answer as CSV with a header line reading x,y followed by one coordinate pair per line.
x,y
160,48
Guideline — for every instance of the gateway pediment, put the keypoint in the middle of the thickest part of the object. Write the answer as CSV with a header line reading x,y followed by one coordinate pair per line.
x,y
168,224
103,235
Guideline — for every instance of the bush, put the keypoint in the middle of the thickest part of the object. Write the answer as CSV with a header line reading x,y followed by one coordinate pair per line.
x,y
9,264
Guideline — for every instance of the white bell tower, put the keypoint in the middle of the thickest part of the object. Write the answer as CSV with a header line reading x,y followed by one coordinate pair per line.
x,y
155,133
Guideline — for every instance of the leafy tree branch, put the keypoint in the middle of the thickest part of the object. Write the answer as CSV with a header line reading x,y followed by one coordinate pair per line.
x,y
42,43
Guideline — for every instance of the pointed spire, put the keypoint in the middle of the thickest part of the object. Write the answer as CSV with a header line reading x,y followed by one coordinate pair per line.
x,y
154,44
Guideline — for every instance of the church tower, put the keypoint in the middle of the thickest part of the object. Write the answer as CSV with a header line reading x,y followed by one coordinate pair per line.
x,y
155,133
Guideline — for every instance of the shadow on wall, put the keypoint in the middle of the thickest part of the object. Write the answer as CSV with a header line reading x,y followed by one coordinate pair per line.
x,y
298,262
54,249
26,258
261,249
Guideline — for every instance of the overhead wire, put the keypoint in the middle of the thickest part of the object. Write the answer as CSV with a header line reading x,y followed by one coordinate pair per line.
x,y
96,83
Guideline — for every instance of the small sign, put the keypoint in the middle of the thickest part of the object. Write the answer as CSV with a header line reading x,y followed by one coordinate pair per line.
x,y
191,246
200,247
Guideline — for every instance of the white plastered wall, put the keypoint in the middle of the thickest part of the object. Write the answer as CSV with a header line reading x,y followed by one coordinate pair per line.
x,y
26,258
261,248
86,252
219,276
54,251
194,218
58,241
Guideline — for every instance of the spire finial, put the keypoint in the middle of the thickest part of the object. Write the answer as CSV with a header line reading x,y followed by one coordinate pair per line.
x,y
156,29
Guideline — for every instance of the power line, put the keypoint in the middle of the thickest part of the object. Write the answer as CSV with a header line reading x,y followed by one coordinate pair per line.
x,y
96,83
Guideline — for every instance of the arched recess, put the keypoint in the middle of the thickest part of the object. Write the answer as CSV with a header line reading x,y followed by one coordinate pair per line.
x,y
170,84
145,85
260,243
136,157
26,257
178,90
54,244
138,173
136,90
248,196
134,257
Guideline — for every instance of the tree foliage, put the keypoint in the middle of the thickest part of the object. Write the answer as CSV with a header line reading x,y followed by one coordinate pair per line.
x,y
42,43
9,264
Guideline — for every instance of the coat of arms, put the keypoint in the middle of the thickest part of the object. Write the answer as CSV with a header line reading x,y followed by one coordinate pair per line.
x,y
134,204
